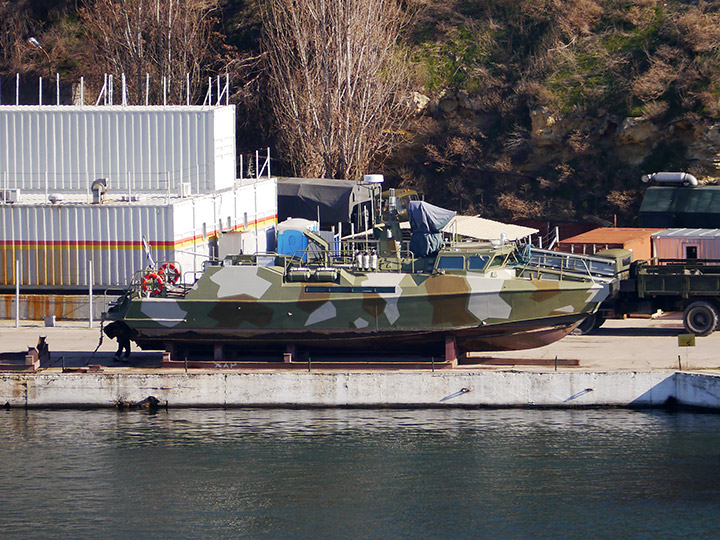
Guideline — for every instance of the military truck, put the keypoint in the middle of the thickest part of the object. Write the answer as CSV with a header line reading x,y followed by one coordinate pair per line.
x,y
644,287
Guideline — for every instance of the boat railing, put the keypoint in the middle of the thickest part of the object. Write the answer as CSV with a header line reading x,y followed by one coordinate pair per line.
x,y
566,264
363,260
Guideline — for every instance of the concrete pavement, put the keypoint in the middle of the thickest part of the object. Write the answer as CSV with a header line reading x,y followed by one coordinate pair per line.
x,y
619,345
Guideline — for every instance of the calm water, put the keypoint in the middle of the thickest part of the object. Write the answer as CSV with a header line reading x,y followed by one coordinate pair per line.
x,y
355,474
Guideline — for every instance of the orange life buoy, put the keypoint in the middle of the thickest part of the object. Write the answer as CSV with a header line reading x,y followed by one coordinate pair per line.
x,y
153,282
169,272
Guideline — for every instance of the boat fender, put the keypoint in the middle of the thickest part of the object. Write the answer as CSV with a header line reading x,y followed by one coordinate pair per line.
x,y
153,282
169,272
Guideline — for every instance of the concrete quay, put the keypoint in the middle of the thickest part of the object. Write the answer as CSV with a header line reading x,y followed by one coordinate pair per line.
x,y
631,363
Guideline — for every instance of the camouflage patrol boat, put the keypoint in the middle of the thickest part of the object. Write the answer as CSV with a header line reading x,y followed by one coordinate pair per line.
x,y
485,297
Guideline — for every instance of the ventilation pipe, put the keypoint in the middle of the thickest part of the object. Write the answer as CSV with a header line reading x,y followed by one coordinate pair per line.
x,y
685,179
99,189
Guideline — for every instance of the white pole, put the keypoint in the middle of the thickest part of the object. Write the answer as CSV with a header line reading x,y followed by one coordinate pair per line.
x,y
90,292
147,89
17,89
256,218
57,87
40,91
268,162
187,82
124,97
82,91
17,293
227,89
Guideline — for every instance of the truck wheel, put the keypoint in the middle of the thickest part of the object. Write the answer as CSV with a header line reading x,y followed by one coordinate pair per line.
x,y
700,318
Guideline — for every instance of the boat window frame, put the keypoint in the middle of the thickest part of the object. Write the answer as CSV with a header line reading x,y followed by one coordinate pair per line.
x,y
486,260
439,267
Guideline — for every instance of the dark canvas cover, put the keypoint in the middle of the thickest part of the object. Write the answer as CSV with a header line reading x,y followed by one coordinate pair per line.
x,y
335,199
426,223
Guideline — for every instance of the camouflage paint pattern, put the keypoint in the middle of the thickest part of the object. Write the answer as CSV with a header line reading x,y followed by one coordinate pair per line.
x,y
490,309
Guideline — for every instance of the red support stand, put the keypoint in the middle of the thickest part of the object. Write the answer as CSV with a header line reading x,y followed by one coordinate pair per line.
x,y
451,351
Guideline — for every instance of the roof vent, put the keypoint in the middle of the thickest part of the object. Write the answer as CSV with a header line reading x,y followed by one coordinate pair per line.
x,y
99,189
10,195
682,178
55,198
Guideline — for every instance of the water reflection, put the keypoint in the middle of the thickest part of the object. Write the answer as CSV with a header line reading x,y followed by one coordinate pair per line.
x,y
333,473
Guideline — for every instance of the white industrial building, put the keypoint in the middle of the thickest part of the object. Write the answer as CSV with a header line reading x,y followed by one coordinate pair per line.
x,y
55,242
168,175
153,149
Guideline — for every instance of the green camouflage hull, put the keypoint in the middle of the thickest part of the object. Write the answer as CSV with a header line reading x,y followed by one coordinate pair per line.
x,y
260,308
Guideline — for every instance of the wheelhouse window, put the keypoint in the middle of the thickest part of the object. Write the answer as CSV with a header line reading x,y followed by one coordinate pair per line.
x,y
451,262
477,263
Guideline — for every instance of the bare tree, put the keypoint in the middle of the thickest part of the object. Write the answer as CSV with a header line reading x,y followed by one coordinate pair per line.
x,y
14,28
337,82
163,38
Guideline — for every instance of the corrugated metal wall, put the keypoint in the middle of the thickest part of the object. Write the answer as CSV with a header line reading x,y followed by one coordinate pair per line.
x,y
199,222
55,242
137,148
675,248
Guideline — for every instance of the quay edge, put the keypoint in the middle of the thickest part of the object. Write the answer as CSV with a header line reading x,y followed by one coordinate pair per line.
x,y
448,388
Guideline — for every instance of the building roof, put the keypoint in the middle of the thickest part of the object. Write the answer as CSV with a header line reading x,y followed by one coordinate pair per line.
x,y
610,235
688,233
118,198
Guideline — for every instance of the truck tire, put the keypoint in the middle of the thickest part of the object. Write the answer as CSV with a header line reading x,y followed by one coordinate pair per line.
x,y
700,318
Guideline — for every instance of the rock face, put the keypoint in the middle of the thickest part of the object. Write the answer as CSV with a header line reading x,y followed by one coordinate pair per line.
x,y
555,137
704,150
546,129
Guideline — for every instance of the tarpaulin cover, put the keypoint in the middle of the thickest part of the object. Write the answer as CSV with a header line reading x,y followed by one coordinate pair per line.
x,y
302,197
426,223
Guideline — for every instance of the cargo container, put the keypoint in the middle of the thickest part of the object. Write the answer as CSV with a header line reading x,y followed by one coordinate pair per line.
x,y
687,244
55,241
637,240
50,149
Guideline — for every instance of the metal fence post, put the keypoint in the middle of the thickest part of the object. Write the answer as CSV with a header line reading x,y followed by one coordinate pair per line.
x,y
17,293
90,292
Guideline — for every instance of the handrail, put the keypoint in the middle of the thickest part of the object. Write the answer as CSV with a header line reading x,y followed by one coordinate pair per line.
x,y
592,267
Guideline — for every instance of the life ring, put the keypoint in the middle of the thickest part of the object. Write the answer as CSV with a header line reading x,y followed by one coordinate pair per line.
x,y
153,282
170,273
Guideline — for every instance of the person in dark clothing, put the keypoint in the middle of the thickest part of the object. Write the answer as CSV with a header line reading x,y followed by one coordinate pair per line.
x,y
123,343
119,331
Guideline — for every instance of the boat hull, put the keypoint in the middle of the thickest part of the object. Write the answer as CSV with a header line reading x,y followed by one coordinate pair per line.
x,y
258,309
499,337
